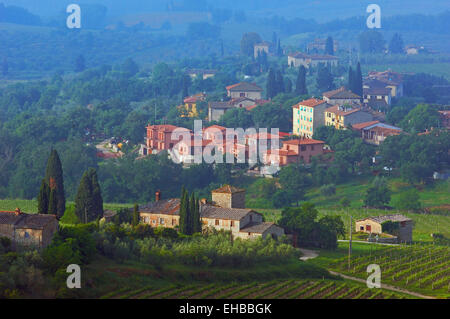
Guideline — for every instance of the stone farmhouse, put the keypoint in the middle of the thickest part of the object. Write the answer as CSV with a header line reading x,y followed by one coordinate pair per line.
x,y
225,212
374,225
261,47
28,230
244,89
342,96
298,59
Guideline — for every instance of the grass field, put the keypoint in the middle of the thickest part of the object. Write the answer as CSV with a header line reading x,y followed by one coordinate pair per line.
x,y
438,69
30,206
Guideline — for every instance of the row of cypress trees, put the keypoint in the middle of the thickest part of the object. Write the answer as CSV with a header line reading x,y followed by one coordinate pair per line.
x,y
51,197
355,81
190,222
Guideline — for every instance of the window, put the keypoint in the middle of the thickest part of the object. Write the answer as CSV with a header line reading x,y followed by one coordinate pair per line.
x,y
217,222
153,221
242,94
303,148
161,221
232,223
27,235
361,228
312,147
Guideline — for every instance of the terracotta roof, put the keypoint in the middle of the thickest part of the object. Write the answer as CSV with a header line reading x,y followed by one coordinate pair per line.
x,y
257,228
338,111
312,102
360,126
166,127
383,218
164,206
341,93
228,189
220,105
244,86
306,141
215,127
209,211
194,98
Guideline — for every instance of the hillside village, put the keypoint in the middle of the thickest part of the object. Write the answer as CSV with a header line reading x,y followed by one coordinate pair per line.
x,y
253,169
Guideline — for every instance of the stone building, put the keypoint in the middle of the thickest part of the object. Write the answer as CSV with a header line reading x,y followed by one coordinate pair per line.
x,y
374,225
28,230
298,59
226,212
342,116
341,96
244,89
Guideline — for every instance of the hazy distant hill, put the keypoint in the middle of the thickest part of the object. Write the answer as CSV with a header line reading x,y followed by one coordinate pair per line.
x,y
320,10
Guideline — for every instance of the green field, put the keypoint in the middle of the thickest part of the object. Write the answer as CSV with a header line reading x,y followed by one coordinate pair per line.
x,y
438,69
30,206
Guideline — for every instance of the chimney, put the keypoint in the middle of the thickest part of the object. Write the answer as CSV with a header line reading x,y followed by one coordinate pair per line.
x,y
157,196
17,212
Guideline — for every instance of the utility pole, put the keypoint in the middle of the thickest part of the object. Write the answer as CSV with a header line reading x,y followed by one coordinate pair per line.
x,y
350,244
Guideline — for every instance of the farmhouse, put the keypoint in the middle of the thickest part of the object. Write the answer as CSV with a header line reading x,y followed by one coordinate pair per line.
x,y
244,89
225,212
402,228
341,96
375,132
342,116
298,59
28,230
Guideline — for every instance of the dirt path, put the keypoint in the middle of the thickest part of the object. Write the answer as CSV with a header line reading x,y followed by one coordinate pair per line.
x,y
384,286
308,254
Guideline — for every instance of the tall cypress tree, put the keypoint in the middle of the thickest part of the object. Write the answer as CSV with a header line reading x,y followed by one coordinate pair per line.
x,y
54,178
271,85
135,220
43,198
183,211
329,46
97,199
279,82
192,215
351,83
197,217
358,81
300,85
53,202
83,199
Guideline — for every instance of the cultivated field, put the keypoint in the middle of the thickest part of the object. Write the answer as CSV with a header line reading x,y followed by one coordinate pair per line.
x,y
420,268
276,289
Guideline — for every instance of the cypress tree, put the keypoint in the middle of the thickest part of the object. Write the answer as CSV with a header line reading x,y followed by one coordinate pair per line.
x,y
54,178
43,198
83,200
97,199
300,86
53,202
351,84
135,220
271,84
183,211
279,82
197,217
329,46
358,81
192,215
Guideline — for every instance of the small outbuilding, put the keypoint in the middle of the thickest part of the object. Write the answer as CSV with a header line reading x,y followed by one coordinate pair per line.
x,y
396,224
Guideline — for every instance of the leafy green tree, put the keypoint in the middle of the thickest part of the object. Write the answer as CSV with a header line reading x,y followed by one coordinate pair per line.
x,y
371,41
248,42
409,200
300,85
54,179
43,198
279,82
420,118
396,44
378,194
130,67
294,181
345,202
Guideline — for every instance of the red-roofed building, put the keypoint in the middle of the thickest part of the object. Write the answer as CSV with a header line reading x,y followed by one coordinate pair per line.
x,y
293,151
159,137
375,132
307,116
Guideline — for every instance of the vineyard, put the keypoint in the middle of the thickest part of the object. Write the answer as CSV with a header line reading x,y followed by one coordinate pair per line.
x,y
275,289
421,268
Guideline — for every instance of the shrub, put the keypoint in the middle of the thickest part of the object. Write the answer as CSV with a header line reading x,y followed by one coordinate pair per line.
x,y
328,190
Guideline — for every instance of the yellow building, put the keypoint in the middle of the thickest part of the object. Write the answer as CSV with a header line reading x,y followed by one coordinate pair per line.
x,y
342,116
189,108
307,116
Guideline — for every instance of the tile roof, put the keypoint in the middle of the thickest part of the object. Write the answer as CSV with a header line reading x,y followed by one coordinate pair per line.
x,y
339,111
258,228
164,206
209,211
341,93
244,86
228,189
215,127
35,221
165,128
9,218
360,126
221,105
312,102
383,218
305,141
